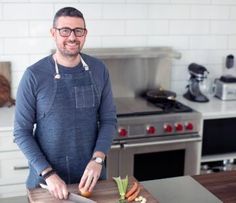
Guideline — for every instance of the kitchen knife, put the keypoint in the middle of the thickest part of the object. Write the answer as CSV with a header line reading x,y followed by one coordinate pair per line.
x,y
72,196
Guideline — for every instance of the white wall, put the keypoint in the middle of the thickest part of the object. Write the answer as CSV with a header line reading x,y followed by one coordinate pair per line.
x,y
204,31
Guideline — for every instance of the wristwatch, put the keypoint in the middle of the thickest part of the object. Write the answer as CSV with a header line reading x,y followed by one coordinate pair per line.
x,y
98,160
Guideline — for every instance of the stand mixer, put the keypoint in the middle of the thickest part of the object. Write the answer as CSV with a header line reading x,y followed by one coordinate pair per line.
x,y
198,74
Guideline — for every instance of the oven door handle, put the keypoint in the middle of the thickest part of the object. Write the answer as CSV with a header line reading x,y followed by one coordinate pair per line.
x,y
143,144
115,146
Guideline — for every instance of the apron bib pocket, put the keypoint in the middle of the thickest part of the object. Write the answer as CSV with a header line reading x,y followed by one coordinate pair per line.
x,y
85,96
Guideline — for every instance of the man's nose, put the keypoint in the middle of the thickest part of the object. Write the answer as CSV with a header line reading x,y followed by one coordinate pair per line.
x,y
72,35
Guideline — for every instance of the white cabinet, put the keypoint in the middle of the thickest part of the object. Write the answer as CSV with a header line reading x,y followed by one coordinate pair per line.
x,y
13,164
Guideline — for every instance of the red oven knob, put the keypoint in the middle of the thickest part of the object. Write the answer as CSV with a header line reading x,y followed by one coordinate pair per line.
x,y
122,132
179,127
168,128
189,126
151,130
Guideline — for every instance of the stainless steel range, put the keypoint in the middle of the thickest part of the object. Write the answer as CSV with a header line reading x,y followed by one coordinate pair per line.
x,y
153,140
154,143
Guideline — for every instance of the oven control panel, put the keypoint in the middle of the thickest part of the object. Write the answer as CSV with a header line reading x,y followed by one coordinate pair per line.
x,y
159,127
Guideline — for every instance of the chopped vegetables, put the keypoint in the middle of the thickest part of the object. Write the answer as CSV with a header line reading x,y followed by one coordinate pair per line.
x,y
132,189
122,185
140,199
132,194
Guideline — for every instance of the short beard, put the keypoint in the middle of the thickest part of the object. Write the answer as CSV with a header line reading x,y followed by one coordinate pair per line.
x,y
69,54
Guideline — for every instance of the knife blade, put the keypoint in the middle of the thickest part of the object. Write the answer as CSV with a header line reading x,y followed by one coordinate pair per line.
x,y
79,199
72,196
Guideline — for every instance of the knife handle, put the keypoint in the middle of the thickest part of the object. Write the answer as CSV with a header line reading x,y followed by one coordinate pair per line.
x,y
43,186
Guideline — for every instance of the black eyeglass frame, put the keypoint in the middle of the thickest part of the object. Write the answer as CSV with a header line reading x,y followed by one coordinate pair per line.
x,y
70,31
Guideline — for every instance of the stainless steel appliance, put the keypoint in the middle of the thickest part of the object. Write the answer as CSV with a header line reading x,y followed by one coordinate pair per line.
x,y
163,134
225,88
198,74
154,142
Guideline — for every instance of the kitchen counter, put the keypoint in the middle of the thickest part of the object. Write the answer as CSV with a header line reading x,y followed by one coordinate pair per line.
x,y
222,185
213,109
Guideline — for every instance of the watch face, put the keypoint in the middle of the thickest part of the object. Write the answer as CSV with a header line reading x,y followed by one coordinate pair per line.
x,y
99,160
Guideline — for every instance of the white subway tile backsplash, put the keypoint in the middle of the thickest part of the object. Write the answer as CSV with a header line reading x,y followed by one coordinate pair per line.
x,y
16,75
125,11
178,42
14,29
180,72
149,1
179,86
209,12
90,11
193,56
93,41
169,11
147,27
224,2
106,27
232,14
208,42
189,27
27,11
203,56
232,42
1,46
28,45
191,1
124,41
203,31
51,1
102,1
223,27
40,28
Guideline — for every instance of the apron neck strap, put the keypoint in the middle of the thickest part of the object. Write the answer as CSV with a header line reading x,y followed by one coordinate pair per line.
x,y
58,76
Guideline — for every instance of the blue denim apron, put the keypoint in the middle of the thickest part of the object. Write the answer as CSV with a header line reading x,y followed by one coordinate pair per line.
x,y
67,133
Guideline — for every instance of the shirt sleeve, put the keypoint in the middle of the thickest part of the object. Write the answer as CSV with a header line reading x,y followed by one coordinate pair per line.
x,y
25,118
107,117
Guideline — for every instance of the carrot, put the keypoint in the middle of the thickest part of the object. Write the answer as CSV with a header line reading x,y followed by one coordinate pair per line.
x,y
132,189
134,195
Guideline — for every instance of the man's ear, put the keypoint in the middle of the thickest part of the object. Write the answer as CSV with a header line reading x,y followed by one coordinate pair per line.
x,y
53,32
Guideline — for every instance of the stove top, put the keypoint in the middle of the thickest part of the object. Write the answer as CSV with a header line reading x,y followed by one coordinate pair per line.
x,y
128,107
140,119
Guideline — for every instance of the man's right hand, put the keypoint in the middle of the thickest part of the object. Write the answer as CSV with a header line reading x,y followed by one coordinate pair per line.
x,y
57,187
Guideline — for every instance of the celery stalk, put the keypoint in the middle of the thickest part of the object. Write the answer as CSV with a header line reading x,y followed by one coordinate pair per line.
x,y
122,185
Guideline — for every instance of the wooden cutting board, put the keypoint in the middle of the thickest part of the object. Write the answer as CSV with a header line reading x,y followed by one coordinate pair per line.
x,y
105,192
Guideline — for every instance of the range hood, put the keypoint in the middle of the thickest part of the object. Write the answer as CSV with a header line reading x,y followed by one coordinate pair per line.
x,y
134,70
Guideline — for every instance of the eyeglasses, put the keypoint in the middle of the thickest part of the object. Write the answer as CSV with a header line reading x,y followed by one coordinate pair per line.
x,y
66,31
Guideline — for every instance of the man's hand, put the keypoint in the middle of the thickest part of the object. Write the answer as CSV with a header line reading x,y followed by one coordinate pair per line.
x,y
57,187
90,176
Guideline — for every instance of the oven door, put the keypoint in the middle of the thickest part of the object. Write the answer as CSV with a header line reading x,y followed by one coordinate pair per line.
x,y
148,160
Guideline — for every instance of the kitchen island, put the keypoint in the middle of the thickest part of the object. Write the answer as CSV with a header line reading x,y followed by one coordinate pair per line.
x,y
222,185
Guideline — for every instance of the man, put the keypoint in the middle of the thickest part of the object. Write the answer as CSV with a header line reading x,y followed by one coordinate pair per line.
x,y
67,97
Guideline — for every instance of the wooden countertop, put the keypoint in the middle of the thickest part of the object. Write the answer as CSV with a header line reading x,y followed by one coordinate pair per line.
x,y
222,185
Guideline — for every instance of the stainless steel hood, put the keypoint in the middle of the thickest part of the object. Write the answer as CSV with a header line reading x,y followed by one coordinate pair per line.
x,y
134,70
